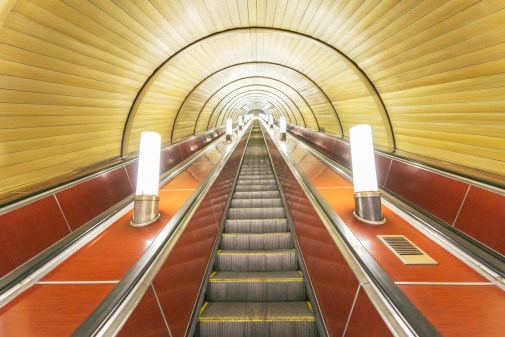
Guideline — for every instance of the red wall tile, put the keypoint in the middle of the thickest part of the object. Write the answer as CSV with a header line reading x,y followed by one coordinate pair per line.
x,y
170,157
342,153
436,194
83,202
51,310
365,320
188,147
483,218
178,281
146,319
29,230
132,170
382,166
334,282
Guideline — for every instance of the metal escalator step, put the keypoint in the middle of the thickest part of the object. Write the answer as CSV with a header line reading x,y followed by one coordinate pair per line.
x,y
244,241
252,319
257,213
255,225
252,188
257,195
256,286
256,182
256,172
246,203
256,260
256,177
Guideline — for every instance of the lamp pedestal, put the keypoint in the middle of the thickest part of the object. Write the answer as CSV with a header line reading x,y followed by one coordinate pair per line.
x,y
368,207
283,136
145,210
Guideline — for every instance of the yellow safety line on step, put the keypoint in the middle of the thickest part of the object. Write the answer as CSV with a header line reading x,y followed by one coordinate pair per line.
x,y
251,280
310,305
213,273
288,252
256,319
250,234
203,307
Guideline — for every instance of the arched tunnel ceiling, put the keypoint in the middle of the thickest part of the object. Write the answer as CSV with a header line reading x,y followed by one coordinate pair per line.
x,y
79,80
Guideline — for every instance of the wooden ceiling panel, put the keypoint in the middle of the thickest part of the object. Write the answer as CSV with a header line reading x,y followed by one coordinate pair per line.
x,y
409,68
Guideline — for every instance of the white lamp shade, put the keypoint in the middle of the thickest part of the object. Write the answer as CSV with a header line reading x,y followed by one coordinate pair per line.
x,y
363,162
282,123
240,120
271,119
228,126
148,177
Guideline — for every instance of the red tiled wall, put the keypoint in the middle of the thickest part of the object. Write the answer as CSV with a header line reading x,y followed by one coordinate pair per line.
x,y
334,283
28,230
178,282
365,320
81,203
472,210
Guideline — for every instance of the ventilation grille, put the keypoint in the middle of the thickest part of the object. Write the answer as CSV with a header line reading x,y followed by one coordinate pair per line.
x,y
406,251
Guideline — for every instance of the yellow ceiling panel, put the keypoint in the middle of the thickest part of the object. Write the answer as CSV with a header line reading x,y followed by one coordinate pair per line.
x,y
113,68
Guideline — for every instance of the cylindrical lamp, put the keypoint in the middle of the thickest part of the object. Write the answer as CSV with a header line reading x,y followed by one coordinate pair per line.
x,y
282,127
271,121
366,192
229,127
145,207
240,122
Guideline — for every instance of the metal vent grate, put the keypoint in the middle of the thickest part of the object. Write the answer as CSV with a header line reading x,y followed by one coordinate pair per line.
x,y
406,251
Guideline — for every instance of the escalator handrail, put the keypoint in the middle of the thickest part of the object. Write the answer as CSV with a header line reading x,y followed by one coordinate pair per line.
x,y
18,280
113,311
487,260
406,318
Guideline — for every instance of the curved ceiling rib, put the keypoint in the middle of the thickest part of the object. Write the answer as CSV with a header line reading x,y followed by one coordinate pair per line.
x,y
260,80
256,98
81,79
311,92
272,93
284,89
250,95
288,101
155,105
229,109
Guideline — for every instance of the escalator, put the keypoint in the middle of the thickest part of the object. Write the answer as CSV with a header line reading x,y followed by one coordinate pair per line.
x,y
256,287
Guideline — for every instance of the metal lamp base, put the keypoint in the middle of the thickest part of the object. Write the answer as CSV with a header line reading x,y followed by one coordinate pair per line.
x,y
283,136
228,138
368,208
145,210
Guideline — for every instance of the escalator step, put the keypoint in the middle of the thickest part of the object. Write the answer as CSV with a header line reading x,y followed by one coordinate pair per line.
x,y
256,286
256,182
257,195
255,225
256,260
254,241
255,203
251,319
256,177
257,213
253,188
